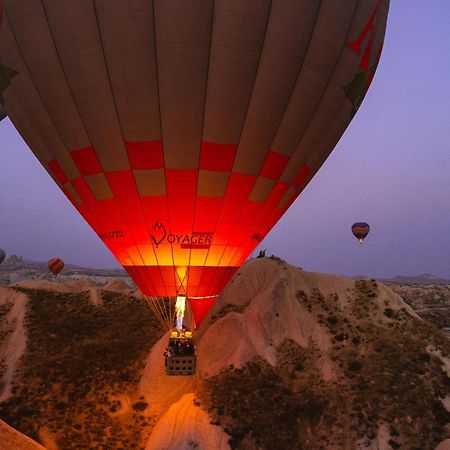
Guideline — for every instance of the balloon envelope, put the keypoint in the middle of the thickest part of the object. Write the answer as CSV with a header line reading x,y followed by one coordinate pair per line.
x,y
360,230
2,113
182,131
55,265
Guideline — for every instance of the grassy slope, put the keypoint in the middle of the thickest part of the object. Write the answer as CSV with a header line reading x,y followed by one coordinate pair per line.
x,y
5,330
432,302
384,374
79,357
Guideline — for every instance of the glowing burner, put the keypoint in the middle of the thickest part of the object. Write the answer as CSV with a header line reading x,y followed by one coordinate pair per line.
x,y
180,306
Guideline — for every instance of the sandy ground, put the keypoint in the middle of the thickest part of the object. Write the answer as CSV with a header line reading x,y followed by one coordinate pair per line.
x,y
270,313
445,366
15,342
11,439
47,438
95,296
267,311
116,285
185,426
379,443
160,390
444,445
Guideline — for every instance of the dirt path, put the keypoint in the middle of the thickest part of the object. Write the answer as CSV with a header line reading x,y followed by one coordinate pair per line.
x,y
95,296
48,439
11,439
15,342
186,426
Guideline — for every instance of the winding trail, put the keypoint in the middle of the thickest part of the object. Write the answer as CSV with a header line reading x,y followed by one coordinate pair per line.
x,y
11,439
15,342
95,296
185,426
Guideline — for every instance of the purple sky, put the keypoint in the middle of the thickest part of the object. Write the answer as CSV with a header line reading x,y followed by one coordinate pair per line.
x,y
390,169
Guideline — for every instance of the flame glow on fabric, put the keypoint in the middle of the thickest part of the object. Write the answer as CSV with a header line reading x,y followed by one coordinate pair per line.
x,y
182,131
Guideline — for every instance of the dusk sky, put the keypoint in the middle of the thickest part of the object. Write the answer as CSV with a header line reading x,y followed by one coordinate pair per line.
x,y
390,169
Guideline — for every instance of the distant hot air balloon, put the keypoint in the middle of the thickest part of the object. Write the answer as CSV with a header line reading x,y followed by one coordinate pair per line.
x,y
2,255
55,265
360,230
182,131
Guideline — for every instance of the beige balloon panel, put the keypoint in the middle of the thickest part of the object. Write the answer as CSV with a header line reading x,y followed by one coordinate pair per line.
x,y
207,121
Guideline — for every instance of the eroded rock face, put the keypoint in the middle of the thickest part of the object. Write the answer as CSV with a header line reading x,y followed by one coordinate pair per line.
x,y
267,304
11,439
13,337
160,390
444,445
269,301
269,312
185,426
357,338
430,301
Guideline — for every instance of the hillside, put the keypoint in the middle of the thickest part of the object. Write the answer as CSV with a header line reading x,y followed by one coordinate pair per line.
x,y
428,295
429,301
74,386
286,359
13,440
15,269
424,278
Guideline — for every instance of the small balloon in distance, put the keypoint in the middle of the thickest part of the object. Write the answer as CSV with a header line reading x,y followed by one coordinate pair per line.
x,y
55,265
360,230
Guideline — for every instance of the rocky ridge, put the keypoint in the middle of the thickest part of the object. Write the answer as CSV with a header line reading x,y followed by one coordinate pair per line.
x,y
313,360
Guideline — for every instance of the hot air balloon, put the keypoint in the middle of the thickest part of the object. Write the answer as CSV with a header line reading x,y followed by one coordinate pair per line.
x,y
2,255
182,131
2,113
55,265
360,230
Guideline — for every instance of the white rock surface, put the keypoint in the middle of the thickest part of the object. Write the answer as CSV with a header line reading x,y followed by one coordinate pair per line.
x,y
186,426
11,439
444,445
267,311
13,346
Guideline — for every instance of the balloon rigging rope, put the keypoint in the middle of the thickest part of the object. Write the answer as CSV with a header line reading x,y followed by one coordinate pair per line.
x,y
151,302
162,309
157,308
152,307
161,305
170,308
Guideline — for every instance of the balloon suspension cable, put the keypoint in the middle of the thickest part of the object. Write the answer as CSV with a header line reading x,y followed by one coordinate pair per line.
x,y
168,310
169,303
162,309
